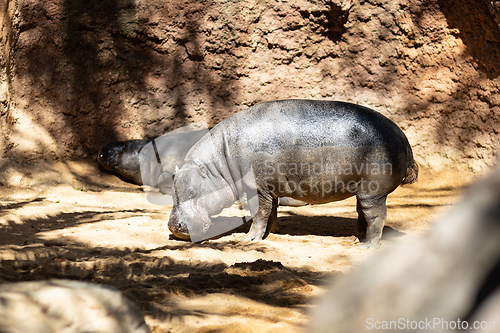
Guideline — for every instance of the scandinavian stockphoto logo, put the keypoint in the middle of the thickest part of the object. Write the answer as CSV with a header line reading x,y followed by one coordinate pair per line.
x,y
324,177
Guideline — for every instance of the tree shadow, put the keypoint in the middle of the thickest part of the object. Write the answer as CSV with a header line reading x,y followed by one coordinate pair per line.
x,y
17,205
100,66
298,225
479,32
156,285
12,233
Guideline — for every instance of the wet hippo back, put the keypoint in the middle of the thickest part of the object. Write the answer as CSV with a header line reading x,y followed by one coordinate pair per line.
x,y
288,142
328,142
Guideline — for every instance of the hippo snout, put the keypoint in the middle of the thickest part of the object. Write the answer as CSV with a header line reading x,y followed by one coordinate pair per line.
x,y
187,222
108,155
178,229
177,226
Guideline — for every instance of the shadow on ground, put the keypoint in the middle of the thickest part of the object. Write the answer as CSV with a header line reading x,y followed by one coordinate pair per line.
x,y
151,281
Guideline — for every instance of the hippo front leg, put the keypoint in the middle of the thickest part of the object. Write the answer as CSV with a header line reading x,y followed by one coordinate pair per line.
x,y
264,221
371,217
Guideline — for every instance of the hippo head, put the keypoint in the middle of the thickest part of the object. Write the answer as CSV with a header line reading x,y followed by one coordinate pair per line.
x,y
109,155
122,158
198,193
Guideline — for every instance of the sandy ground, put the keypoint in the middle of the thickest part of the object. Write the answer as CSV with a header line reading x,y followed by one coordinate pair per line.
x,y
76,221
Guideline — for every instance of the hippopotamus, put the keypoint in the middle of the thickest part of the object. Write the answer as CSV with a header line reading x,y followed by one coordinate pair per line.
x,y
125,158
310,150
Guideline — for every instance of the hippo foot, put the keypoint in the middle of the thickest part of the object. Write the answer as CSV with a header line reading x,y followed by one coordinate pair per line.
x,y
368,245
250,238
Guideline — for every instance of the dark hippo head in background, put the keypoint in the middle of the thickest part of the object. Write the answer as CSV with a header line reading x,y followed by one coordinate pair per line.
x,y
151,162
123,158
313,151
198,193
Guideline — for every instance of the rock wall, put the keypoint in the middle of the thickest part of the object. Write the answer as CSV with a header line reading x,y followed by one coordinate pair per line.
x,y
86,73
9,20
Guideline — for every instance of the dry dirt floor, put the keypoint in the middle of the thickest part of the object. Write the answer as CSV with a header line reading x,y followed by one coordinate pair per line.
x,y
72,220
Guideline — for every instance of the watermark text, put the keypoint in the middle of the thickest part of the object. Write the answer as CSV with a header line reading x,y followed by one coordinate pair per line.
x,y
430,324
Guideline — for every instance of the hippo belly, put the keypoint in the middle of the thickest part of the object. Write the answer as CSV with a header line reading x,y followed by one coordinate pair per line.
x,y
324,174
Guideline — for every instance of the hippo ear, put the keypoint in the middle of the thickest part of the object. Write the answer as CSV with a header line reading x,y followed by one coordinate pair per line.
x,y
176,169
202,170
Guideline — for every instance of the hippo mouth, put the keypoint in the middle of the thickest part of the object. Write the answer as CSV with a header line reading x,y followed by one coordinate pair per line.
x,y
106,161
186,225
178,229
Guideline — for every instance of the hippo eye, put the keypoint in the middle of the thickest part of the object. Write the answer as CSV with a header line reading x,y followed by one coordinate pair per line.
x,y
191,193
202,170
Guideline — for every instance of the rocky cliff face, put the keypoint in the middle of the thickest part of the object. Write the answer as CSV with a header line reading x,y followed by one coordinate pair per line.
x,y
86,73
9,20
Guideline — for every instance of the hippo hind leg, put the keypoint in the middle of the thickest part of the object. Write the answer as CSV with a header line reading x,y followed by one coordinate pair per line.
x,y
272,223
265,221
371,216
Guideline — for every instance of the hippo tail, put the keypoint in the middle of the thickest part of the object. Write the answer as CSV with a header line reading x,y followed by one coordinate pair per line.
x,y
411,175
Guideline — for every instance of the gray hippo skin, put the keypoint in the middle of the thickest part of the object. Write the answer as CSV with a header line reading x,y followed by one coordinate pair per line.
x,y
295,148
